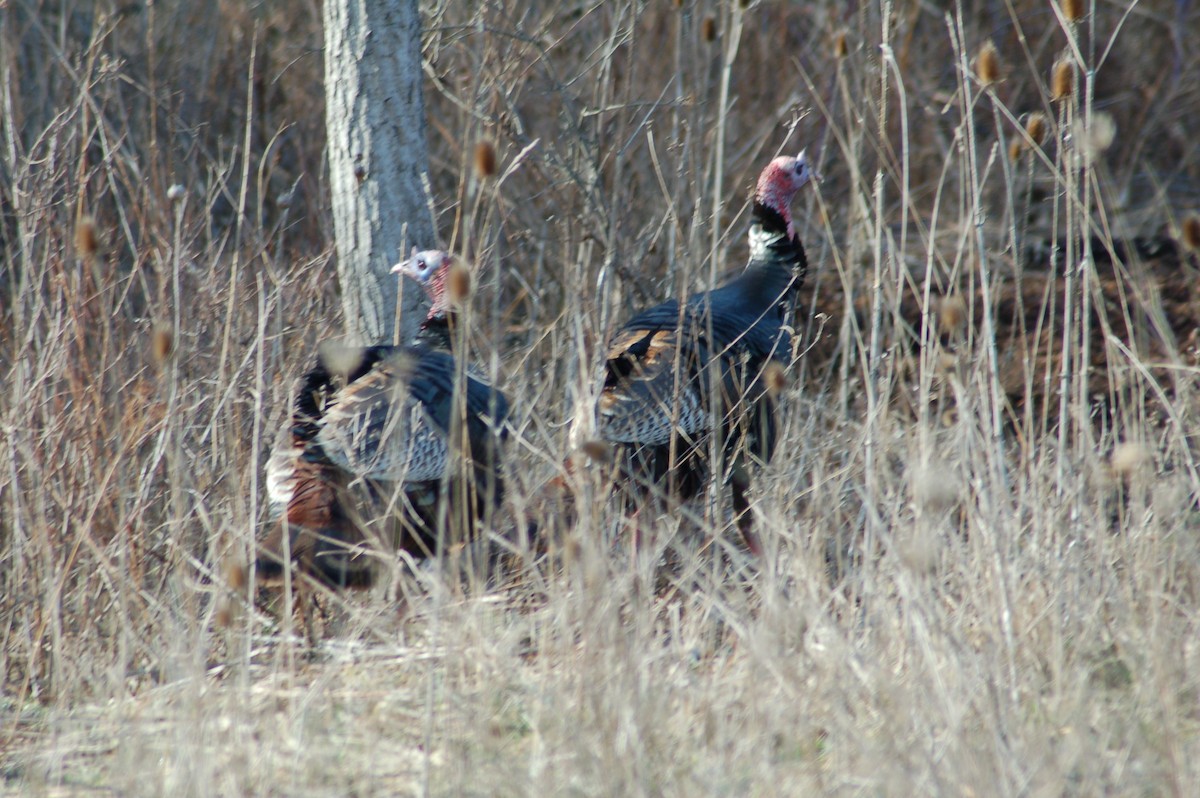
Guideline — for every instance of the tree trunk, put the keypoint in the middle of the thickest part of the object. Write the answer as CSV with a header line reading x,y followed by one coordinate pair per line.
x,y
378,159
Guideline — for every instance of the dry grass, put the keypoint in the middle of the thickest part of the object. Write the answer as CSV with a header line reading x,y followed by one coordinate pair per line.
x,y
983,566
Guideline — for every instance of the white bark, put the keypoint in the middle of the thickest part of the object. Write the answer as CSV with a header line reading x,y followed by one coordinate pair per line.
x,y
378,159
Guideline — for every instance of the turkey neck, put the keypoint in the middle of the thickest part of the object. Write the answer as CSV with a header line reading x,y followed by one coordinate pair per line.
x,y
768,229
436,332
775,258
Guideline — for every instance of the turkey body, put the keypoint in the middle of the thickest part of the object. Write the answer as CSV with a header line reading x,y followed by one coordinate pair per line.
x,y
379,454
677,375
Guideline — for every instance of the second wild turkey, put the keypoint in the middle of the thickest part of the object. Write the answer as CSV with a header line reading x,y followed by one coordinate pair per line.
x,y
369,450
674,376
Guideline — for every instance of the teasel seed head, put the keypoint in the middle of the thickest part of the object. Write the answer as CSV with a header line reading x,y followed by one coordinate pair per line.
x,y
952,314
597,451
775,378
840,48
224,615
458,283
235,575
338,358
403,365
1035,126
485,159
1072,10
87,242
1097,137
935,486
162,342
987,64
1128,458
1190,232
1062,79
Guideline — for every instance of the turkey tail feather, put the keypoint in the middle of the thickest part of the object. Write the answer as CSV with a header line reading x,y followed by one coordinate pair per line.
x,y
322,542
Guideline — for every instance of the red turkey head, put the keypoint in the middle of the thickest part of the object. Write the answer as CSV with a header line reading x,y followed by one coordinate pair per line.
x,y
780,181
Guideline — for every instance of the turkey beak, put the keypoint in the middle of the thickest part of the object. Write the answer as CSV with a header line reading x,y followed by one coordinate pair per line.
x,y
405,266
813,175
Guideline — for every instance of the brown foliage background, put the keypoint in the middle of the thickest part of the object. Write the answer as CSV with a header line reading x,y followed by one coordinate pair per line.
x,y
149,335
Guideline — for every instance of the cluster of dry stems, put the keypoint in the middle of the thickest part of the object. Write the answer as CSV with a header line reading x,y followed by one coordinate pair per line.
x,y
982,519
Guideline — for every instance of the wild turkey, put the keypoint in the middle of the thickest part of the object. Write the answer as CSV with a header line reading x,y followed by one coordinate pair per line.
x,y
370,437
658,403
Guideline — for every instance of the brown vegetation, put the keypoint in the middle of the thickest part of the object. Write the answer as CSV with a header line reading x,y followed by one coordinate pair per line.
x,y
981,539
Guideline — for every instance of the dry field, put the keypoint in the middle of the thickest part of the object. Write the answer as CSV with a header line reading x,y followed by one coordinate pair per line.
x,y
983,525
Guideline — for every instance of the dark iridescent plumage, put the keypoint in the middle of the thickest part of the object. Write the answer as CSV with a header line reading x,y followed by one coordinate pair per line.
x,y
673,376
369,450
